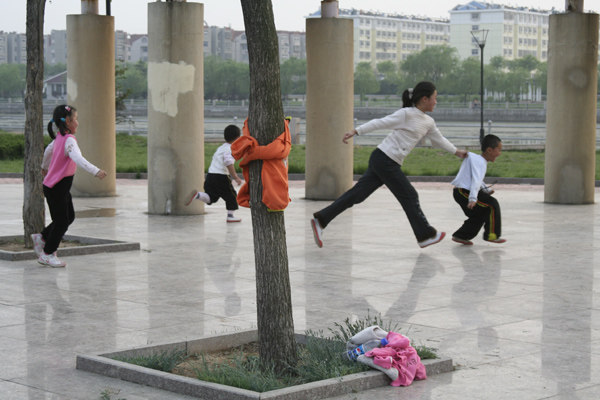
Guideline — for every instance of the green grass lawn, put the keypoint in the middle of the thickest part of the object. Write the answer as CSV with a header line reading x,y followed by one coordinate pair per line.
x,y
132,155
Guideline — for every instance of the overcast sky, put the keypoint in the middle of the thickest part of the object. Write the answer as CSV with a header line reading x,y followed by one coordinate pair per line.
x,y
131,15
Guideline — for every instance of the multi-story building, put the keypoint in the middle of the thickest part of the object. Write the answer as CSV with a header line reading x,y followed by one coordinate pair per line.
x,y
122,46
55,47
513,32
240,44
16,48
207,39
3,47
221,41
291,45
138,45
392,37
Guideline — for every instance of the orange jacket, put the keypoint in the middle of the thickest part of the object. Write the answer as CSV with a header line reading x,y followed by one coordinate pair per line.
x,y
275,194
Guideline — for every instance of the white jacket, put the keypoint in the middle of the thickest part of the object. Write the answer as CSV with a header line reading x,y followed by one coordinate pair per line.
x,y
409,125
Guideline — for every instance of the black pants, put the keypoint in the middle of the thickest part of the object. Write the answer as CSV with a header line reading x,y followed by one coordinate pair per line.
x,y
486,213
382,170
60,204
219,186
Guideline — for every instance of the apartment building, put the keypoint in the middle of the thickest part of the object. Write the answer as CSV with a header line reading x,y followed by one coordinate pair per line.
x,y
138,48
13,48
514,32
122,46
240,44
221,42
3,47
291,45
55,47
380,36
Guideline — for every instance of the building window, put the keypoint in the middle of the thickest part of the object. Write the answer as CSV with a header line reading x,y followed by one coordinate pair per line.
x,y
475,16
475,27
474,52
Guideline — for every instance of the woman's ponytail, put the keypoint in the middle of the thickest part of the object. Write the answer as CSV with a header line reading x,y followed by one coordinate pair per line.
x,y
411,97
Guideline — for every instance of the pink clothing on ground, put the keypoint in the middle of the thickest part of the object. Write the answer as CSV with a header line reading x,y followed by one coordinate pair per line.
x,y
61,165
399,354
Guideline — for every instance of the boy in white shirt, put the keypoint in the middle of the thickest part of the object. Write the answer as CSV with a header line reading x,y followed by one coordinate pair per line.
x,y
475,198
217,184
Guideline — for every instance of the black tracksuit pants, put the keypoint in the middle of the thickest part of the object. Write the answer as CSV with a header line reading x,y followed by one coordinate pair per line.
x,y
486,213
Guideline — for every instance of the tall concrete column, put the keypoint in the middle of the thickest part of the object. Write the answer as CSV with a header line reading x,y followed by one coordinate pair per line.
x,y
571,112
329,107
175,106
91,90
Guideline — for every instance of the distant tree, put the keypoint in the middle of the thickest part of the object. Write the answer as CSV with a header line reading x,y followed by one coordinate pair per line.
x,y
225,79
135,82
527,63
365,80
211,65
233,80
497,63
540,77
142,66
515,82
386,67
33,197
389,80
432,64
293,77
51,70
121,92
12,80
466,79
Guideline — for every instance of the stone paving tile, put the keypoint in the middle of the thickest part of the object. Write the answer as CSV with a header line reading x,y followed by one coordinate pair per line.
x,y
503,312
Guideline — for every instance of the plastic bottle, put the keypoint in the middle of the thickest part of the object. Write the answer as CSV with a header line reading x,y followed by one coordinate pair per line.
x,y
366,347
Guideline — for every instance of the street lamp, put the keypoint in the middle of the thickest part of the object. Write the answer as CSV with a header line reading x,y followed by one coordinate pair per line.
x,y
480,37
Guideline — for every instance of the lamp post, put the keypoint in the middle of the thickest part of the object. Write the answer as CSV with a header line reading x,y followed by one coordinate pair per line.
x,y
480,37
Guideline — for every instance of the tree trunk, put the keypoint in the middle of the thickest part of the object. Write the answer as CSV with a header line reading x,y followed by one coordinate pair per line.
x,y
273,294
33,196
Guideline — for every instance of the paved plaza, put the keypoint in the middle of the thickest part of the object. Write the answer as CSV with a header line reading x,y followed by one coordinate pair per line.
x,y
520,320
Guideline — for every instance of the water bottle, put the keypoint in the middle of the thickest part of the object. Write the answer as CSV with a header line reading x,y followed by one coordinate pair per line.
x,y
366,347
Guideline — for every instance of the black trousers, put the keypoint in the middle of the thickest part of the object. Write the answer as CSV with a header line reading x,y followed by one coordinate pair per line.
x,y
486,213
219,186
60,204
382,170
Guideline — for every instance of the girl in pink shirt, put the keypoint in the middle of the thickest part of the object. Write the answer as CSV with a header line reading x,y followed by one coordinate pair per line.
x,y
61,158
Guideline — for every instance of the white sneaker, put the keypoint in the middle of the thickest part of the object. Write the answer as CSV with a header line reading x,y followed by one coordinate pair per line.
x,y
51,260
231,218
433,240
38,243
317,231
191,197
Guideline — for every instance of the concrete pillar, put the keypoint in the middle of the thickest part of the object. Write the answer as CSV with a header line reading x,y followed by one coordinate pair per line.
x,y
329,107
91,90
175,106
571,116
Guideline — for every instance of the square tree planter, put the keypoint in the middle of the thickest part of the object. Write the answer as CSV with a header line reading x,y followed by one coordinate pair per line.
x,y
89,246
105,365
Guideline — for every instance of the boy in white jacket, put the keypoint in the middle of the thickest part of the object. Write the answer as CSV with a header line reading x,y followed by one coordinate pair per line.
x,y
475,198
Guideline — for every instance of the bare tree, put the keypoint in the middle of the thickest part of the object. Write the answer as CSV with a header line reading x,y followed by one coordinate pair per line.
x,y
277,344
33,197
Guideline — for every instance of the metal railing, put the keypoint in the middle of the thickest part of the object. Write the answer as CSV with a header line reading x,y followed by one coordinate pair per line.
x,y
459,133
300,101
